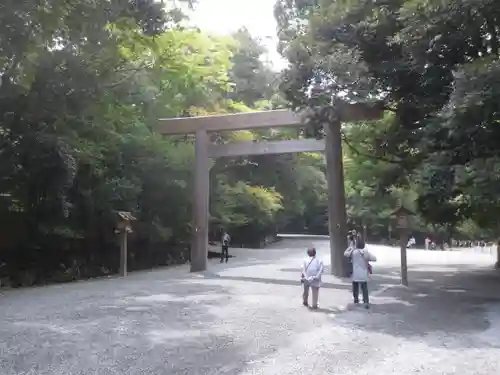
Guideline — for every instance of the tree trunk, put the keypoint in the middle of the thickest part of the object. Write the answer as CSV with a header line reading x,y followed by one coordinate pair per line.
x,y
336,200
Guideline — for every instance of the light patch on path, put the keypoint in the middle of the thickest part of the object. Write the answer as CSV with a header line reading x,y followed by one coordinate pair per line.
x,y
173,298
49,327
167,335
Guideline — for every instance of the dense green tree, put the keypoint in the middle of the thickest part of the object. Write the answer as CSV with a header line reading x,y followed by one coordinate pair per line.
x,y
75,129
253,80
81,91
434,64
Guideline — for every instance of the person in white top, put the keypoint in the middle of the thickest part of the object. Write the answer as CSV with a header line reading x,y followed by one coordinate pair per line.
x,y
312,268
411,242
427,242
361,270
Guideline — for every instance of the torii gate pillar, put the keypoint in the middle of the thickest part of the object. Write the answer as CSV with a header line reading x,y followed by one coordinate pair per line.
x,y
201,200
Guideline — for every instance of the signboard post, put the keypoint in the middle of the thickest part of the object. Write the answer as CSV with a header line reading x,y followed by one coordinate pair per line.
x,y
123,228
403,226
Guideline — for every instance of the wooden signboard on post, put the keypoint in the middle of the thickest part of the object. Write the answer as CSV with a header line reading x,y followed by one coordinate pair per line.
x,y
123,228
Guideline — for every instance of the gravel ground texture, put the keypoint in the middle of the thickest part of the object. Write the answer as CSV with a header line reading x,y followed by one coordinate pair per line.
x,y
246,317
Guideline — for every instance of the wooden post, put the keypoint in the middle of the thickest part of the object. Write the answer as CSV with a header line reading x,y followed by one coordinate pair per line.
x,y
123,253
497,263
403,226
201,196
123,228
336,200
403,238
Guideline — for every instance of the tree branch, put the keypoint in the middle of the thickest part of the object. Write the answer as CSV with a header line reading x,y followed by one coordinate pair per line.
x,y
133,72
390,109
374,157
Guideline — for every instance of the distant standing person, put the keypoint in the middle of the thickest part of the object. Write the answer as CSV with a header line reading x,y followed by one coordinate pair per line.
x,y
361,270
411,242
312,269
225,240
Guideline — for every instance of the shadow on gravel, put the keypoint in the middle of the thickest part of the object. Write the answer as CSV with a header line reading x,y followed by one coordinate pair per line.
x,y
297,271
263,280
456,303
136,326
328,311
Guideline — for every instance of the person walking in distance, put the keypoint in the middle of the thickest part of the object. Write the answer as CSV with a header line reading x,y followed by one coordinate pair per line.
x,y
225,240
361,270
312,269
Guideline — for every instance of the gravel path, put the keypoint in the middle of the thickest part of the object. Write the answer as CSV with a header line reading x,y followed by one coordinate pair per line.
x,y
246,318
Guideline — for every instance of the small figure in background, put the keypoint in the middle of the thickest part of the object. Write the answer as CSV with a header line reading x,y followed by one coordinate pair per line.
x,y
411,242
225,240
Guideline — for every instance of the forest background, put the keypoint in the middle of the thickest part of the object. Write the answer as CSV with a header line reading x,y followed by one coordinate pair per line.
x,y
83,84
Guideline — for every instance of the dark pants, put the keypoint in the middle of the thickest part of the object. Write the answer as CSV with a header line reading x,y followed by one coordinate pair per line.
x,y
364,291
224,253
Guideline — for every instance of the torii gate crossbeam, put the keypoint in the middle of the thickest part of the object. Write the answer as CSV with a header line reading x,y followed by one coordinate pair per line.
x,y
331,145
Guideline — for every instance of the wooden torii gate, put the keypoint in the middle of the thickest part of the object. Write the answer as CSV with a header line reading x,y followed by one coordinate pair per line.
x,y
205,150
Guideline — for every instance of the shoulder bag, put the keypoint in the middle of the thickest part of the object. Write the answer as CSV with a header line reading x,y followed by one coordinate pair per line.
x,y
368,265
305,270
